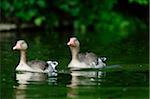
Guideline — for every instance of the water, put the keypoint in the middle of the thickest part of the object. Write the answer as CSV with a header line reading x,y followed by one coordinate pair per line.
x,y
123,78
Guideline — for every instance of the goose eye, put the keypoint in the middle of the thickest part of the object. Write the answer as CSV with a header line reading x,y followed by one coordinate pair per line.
x,y
22,43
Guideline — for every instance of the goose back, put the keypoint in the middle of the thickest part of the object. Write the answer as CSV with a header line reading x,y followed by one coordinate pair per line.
x,y
88,58
38,64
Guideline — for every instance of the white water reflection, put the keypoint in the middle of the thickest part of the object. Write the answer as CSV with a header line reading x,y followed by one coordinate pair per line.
x,y
80,78
83,78
26,79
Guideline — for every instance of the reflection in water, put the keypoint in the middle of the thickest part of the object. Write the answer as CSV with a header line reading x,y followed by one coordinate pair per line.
x,y
83,78
120,82
25,79
83,85
20,94
28,81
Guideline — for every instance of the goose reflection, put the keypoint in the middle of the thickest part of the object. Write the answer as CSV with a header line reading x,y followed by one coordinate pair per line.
x,y
27,79
83,78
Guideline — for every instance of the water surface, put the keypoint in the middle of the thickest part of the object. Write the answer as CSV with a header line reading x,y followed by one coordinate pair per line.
x,y
126,77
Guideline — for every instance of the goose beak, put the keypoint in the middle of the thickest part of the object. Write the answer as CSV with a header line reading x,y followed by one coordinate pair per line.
x,y
14,48
71,43
68,43
17,46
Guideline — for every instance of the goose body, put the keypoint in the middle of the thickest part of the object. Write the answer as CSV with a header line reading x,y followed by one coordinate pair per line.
x,y
83,60
31,66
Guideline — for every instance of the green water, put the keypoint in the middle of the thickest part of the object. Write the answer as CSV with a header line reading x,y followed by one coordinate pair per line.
x,y
128,80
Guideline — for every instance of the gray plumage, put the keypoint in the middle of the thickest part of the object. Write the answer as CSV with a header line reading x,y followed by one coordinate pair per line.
x,y
38,64
88,58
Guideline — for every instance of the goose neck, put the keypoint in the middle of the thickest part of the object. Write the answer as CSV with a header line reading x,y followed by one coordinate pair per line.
x,y
23,58
74,52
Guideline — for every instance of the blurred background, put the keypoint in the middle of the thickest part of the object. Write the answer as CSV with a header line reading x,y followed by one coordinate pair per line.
x,y
116,29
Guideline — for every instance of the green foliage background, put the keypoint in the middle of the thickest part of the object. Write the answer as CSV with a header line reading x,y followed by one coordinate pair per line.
x,y
108,25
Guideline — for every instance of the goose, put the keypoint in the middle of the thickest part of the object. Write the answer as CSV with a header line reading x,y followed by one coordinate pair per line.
x,y
34,65
83,60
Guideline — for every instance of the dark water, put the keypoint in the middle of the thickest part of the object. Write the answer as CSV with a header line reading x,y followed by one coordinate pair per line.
x,y
125,77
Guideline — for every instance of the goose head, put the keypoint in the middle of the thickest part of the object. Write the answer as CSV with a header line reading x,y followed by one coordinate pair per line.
x,y
73,42
20,45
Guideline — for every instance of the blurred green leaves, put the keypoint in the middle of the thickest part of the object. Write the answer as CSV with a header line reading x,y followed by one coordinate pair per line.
x,y
25,11
142,2
27,15
114,28
108,24
5,5
38,21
